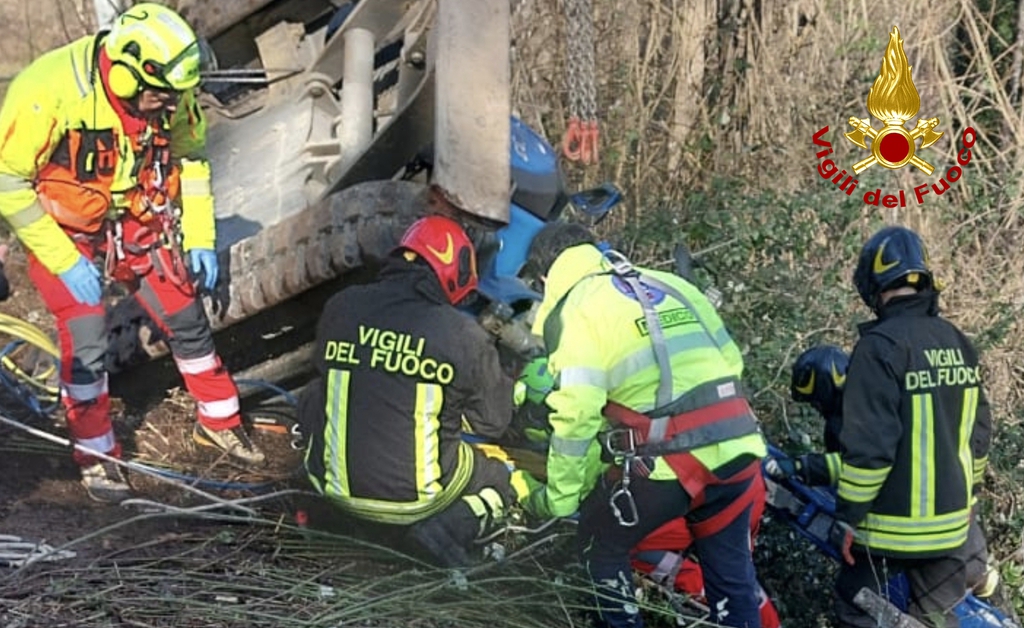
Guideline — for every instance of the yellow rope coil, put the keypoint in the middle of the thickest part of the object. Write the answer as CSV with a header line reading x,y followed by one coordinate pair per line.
x,y
33,336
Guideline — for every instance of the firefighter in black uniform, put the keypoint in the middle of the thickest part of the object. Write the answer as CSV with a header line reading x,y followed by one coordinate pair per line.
x,y
818,377
403,374
914,439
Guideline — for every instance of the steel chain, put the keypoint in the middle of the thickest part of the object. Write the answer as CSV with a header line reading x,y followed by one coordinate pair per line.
x,y
587,62
573,60
581,138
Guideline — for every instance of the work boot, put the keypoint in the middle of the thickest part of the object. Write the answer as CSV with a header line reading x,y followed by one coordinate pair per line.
x,y
233,441
448,535
105,483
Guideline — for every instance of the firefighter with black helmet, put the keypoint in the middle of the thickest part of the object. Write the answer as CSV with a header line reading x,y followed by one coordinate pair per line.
x,y
403,375
914,439
817,378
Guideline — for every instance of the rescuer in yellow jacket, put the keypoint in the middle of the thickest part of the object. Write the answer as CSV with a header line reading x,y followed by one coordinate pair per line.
x,y
914,439
647,378
101,148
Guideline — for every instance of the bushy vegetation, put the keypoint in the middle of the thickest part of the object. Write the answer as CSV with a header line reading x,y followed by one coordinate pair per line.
x,y
712,144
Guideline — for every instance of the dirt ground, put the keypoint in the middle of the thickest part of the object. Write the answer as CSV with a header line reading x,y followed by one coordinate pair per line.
x,y
40,494
137,566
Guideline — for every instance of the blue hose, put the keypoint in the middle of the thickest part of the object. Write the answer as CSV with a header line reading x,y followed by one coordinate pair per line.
x,y
259,383
199,482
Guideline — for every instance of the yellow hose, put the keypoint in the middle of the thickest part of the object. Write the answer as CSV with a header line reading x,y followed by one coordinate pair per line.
x,y
35,337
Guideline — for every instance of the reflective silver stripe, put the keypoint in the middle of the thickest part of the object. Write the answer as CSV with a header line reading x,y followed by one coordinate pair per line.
x,y
221,409
583,376
854,493
881,540
195,187
833,462
24,217
921,458
667,568
336,439
575,447
12,183
102,444
195,366
643,359
429,399
85,392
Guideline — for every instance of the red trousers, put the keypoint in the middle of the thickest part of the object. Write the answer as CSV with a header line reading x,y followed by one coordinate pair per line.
x,y
83,337
661,554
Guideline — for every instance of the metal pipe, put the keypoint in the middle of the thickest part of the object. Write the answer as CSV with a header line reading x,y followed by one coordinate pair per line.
x,y
355,124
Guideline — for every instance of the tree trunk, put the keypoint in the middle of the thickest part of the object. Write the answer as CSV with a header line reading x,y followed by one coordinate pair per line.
x,y
692,25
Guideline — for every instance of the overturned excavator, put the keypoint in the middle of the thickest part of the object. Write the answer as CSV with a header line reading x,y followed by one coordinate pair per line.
x,y
317,109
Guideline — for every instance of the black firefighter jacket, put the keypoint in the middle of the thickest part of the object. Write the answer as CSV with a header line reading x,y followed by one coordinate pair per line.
x,y
915,433
402,375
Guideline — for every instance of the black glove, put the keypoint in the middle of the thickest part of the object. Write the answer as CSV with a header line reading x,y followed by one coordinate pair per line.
x,y
448,535
530,423
840,536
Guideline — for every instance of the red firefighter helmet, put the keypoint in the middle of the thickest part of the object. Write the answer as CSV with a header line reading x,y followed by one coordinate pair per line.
x,y
447,249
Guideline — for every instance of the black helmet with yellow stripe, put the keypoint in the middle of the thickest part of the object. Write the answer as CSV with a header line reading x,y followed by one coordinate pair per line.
x,y
819,375
892,258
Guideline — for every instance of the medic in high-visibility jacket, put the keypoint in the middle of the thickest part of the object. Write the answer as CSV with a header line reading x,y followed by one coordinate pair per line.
x,y
101,141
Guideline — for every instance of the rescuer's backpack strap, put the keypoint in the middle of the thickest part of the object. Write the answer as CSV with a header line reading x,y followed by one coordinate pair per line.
x,y
665,406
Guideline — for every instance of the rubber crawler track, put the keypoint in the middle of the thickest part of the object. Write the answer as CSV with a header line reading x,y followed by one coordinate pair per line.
x,y
351,228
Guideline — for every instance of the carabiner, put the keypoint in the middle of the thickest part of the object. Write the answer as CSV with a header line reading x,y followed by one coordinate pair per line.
x,y
618,448
298,438
623,492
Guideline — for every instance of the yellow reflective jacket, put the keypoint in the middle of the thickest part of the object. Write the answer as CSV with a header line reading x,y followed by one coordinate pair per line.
x,y
599,351
60,95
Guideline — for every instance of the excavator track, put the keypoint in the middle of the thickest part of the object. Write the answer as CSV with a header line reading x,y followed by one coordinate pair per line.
x,y
277,280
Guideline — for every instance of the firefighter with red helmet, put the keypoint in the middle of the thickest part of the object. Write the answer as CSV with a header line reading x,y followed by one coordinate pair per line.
x,y
102,146
403,374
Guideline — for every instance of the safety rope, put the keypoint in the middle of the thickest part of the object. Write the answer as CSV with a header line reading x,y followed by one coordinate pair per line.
x,y
581,136
29,365
132,466
39,392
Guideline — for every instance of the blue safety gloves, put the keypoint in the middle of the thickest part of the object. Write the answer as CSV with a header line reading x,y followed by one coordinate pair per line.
x,y
204,262
83,282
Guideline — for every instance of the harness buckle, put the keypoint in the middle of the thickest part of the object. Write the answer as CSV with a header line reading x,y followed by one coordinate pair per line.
x,y
619,442
620,263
